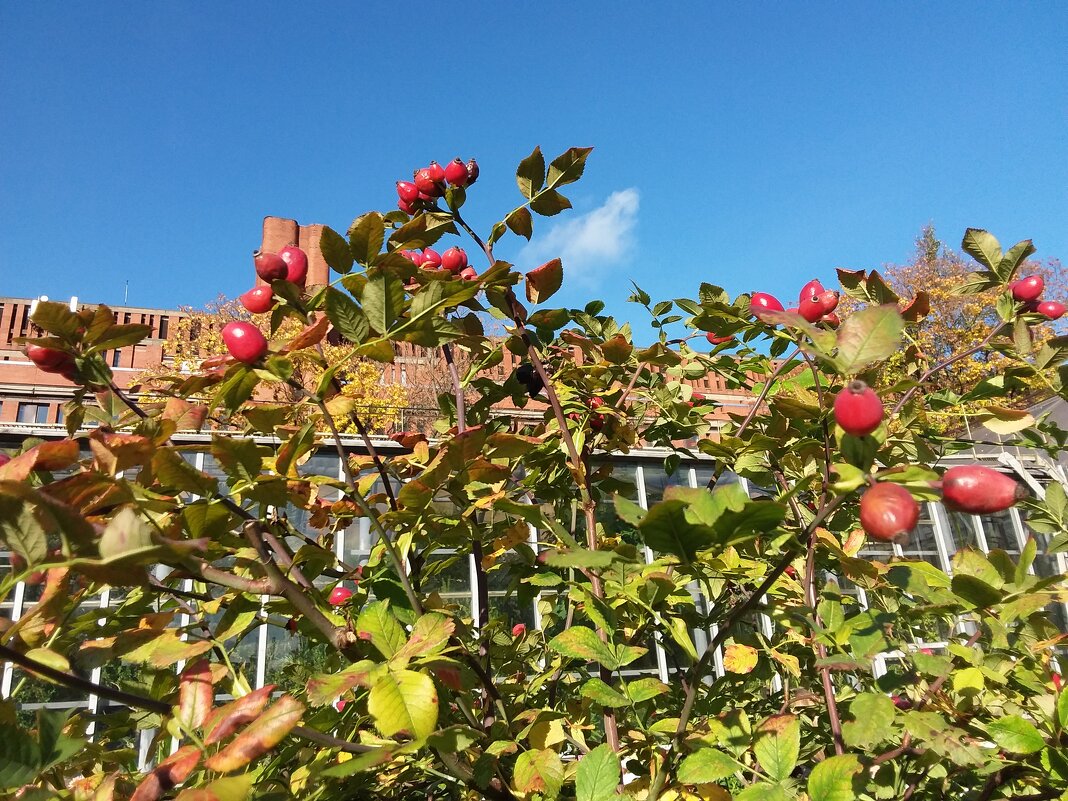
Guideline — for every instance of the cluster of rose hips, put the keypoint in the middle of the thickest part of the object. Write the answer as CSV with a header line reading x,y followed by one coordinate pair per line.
x,y
243,340
1028,291
814,303
888,512
597,420
430,182
454,260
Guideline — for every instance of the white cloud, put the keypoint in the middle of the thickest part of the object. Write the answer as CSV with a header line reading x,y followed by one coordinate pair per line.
x,y
598,238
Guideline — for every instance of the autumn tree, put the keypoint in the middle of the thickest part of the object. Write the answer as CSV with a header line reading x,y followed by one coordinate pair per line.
x,y
196,337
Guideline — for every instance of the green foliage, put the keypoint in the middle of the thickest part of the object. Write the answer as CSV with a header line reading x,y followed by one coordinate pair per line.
x,y
397,690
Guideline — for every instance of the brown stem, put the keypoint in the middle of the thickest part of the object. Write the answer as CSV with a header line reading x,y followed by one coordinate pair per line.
x,y
260,586
340,638
764,393
285,559
942,365
581,471
78,683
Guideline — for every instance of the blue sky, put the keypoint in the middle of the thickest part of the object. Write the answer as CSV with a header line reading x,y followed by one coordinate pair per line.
x,y
754,146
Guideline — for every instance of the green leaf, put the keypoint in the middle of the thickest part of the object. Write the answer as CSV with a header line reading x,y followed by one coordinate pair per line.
x,y
366,235
530,176
579,642
126,533
20,757
544,281
668,529
600,693
539,772
975,591
1015,735
346,316
777,746
20,530
404,702
120,336
549,203
383,301
568,166
873,714
520,222
1014,257
870,335
644,689
379,625
968,680
762,791
833,779
429,636
335,250
706,765
982,246
57,318
599,774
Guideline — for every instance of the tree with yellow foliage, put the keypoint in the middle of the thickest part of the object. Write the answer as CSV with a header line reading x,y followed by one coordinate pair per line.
x,y
197,337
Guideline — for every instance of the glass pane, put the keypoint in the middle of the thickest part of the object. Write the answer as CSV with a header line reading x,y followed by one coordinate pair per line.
x,y
961,531
922,544
1000,532
657,481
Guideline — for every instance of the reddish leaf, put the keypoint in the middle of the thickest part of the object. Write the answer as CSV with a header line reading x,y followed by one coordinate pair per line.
x,y
264,734
542,282
311,335
186,415
113,453
227,719
46,456
171,772
195,694
917,308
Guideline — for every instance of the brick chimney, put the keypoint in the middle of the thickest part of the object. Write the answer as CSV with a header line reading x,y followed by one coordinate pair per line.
x,y
279,232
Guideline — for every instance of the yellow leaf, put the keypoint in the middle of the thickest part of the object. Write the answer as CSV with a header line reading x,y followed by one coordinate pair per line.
x,y
739,658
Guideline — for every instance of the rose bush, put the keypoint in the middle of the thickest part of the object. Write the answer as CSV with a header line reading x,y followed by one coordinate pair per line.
x,y
404,694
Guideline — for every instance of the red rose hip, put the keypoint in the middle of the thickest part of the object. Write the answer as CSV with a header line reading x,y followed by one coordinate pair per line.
x,y
407,191
763,302
472,171
431,259
979,490
888,512
1051,309
1028,289
269,266
296,264
258,300
456,173
339,595
244,341
813,287
857,409
454,260
49,360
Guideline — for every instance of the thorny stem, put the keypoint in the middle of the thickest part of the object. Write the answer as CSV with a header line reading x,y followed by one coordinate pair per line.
x,y
809,585
340,638
517,314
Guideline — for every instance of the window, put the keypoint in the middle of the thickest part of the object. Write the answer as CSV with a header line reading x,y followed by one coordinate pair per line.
x,y
164,323
116,357
33,413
